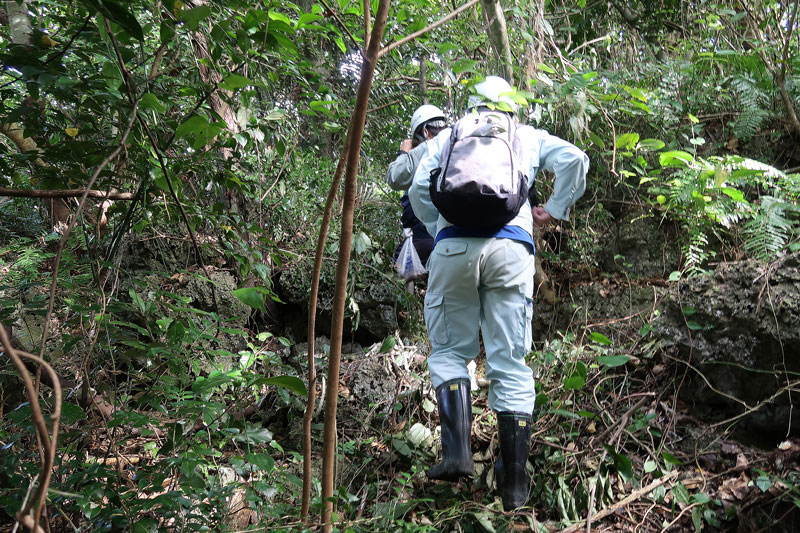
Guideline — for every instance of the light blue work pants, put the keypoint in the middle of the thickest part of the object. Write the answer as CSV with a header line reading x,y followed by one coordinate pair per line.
x,y
482,284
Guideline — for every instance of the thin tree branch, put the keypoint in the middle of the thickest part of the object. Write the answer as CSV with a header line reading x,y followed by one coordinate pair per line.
x,y
367,22
356,131
312,320
65,193
69,43
154,143
343,26
74,221
644,491
425,30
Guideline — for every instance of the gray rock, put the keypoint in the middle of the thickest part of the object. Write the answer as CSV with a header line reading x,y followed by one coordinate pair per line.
x,y
376,304
641,246
739,328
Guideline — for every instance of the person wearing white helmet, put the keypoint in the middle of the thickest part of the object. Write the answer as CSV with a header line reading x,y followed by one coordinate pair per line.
x,y
482,281
426,122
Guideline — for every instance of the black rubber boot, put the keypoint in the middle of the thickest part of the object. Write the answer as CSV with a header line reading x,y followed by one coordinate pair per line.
x,y
455,414
513,481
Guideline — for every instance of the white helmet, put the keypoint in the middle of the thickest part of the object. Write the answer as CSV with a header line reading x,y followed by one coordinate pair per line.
x,y
493,90
423,114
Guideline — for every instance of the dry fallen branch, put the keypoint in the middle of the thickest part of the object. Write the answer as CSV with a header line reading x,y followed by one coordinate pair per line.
x,y
667,478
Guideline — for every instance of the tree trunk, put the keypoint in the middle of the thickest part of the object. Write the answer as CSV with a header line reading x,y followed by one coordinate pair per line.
x,y
19,24
498,36
423,85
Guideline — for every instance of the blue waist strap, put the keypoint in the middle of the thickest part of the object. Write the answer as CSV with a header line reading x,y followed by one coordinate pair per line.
x,y
514,233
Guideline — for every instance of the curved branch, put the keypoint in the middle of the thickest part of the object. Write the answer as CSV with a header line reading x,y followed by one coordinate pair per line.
x,y
48,442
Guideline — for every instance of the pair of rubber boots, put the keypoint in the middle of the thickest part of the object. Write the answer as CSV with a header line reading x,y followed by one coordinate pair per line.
x,y
514,432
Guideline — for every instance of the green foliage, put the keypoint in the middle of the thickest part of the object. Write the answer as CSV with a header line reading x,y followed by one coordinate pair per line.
x,y
727,199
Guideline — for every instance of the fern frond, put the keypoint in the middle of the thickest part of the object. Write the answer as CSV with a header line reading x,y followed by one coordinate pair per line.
x,y
695,251
767,233
753,103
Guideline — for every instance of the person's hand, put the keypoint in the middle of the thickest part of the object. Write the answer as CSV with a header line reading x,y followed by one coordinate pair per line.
x,y
540,216
405,145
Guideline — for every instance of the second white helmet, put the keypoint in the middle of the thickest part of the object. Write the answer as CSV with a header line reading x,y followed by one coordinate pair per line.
x,y
423,114
493,90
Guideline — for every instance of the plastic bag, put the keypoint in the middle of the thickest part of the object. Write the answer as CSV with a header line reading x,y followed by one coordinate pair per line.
x,y
407,263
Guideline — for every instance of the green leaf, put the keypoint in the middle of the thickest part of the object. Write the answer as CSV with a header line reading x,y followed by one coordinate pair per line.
x,y
650,144
308,18
599,338
203,385
464,65
280,17
234,81
263,461
613,360
597,140
254,434
388,343
681,493
574,382
126,20
194,16
290,383
252,297
637,93
565,413
151,101
118,14
621,462
340,43
176,333
735,194
402,447
485,520
428,405
361,243
546,68
195,126
675,158
697,519
626,140
71,413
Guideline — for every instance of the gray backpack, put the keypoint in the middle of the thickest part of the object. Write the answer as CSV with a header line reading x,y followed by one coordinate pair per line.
x,y
480,183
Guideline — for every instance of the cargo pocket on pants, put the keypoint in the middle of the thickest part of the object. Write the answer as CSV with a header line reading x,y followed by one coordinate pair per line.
x,y
435,318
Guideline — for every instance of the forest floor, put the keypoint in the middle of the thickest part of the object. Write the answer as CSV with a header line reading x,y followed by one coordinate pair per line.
x,y
169,441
